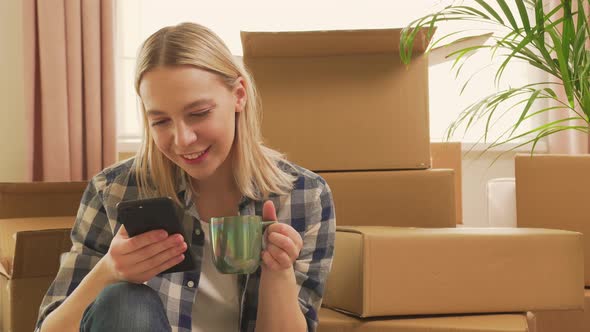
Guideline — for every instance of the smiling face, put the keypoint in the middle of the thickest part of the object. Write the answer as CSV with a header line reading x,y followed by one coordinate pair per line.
x,y
191,116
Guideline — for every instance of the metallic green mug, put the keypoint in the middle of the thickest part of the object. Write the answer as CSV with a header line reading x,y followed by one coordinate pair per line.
x,y
236,243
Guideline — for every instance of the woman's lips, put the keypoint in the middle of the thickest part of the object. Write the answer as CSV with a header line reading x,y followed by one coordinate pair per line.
x,y
195,158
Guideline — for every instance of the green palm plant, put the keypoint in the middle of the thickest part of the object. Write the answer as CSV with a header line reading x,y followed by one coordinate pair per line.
x,y
557,46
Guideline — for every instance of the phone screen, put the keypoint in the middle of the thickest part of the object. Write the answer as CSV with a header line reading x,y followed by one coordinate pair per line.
x,y
140,216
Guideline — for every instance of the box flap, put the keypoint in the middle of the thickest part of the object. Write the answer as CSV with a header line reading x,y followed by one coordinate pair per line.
x,y
4,263
24,298
29,261
10,227
43,187
323,43
351,246
40,199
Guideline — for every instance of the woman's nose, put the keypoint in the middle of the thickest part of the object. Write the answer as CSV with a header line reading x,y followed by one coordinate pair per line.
x,y
185,136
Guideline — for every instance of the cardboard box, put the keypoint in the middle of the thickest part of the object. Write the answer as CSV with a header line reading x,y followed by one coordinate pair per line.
x,y
342,100
552,191
125,155
564,321
448,155
383,271
29,252
416,198
40,199
332,321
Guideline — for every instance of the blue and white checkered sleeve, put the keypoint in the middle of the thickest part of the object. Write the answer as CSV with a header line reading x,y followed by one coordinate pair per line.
x,y
315,259
91,236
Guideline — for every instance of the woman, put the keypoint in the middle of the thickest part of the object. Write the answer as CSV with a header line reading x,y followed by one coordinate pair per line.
x,y
202,146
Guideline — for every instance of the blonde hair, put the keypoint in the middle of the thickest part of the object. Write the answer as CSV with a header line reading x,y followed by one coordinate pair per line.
x,y
256,168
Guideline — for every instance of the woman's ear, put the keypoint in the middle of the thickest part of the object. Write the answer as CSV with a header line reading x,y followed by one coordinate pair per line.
x,y
240,94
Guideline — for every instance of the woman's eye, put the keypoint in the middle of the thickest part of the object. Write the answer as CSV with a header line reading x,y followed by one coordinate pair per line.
x,y
200,114
159,122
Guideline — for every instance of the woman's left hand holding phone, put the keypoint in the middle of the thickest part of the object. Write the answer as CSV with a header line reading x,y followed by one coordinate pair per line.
x,y
140,258
133,259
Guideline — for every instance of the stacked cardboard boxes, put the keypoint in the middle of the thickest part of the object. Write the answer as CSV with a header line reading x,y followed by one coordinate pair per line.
x,y
552,191
30,259
341,103
31,240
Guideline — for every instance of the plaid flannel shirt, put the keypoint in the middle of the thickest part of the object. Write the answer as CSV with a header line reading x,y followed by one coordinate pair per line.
x,y
308,209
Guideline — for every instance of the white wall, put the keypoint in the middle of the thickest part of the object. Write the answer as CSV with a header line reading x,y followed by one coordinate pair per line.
x,y
476,173
12,114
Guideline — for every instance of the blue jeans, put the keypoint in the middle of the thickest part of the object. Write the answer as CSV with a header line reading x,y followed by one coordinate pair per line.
x,y
125,307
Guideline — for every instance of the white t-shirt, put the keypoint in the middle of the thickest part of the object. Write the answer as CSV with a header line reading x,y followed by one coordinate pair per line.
x,y
216,306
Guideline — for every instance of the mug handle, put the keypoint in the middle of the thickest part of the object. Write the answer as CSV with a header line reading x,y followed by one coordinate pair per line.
x,y
265,224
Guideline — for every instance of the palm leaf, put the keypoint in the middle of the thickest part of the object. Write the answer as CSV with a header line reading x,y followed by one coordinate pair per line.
x,y
556,46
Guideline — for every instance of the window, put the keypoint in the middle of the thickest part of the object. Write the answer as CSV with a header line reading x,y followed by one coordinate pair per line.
x,y
138,19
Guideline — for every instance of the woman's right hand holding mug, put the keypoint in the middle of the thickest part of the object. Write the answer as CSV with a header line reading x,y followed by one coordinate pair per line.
x,y
138,259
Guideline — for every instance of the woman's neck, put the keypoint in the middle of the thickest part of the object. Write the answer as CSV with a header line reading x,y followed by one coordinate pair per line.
x,y
216,198
220,189
219,182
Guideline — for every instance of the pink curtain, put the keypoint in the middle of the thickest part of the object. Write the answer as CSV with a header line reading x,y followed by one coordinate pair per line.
x,y
569,141
69,87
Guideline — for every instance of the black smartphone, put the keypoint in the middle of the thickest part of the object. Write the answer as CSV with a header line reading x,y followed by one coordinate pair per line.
x,y
140,216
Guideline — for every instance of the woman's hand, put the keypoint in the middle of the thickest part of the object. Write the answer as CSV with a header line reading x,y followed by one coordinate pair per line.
x,y
140,258
283,242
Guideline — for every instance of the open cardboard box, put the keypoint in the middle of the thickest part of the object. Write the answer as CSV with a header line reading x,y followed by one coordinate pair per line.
x,y
352,102
29,253
384,271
